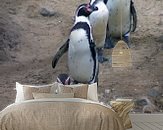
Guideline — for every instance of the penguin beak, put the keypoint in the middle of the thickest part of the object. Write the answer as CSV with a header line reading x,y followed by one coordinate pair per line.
x,y
91,8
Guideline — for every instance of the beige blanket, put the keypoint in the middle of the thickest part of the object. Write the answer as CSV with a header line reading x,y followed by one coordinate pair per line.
x,y
59,114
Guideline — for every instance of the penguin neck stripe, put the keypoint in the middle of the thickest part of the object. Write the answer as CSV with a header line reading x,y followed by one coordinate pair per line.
x,y
105,1
85,26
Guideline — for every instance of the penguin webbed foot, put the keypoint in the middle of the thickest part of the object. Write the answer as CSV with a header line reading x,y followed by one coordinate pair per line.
x,y
111,41
126,39
108,43
101,57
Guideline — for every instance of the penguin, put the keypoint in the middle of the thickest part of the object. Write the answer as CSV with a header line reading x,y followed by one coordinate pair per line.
x,y
121,13
64,79
99,20
82,55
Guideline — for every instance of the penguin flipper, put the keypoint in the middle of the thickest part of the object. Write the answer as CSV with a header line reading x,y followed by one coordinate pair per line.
x,y
134,15
63,49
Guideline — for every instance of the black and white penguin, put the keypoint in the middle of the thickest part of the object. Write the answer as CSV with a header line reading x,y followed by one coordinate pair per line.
x,y
122,20
82,56
99,20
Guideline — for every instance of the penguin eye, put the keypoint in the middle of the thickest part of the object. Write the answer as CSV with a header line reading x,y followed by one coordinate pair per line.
x,y
88,8
91,8
95,8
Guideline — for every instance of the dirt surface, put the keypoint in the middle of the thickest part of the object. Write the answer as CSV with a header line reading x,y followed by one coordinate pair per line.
x,y
29,40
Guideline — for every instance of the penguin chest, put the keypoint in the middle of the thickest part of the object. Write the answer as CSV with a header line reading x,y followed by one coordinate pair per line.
x,y
80,60
98,20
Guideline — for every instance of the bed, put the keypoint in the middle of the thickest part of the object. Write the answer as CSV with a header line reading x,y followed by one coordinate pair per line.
x,y
59,114
58,107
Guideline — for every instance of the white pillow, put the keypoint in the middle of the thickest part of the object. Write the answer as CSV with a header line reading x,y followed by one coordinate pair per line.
x,y
92,92
19,92
79,90
52,95
20,95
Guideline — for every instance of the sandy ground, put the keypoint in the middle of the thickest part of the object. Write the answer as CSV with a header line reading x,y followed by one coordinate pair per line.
x,y
28,42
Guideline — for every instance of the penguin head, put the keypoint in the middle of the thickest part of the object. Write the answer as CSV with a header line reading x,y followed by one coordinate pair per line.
x,y
64,79
85,10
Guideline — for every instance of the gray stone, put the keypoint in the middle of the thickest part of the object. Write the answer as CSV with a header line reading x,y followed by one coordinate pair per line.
x,y
154,92
47,13
141,102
